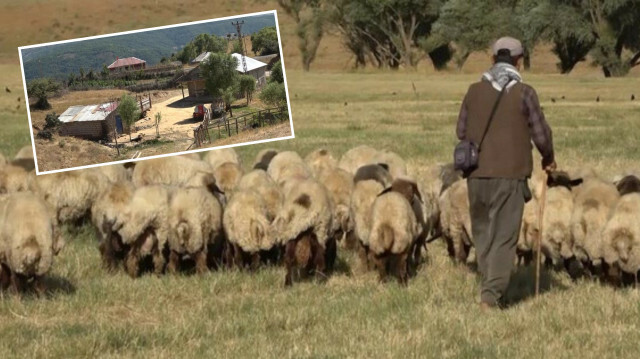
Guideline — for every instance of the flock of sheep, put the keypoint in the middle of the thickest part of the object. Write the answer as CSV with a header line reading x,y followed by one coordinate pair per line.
x,y
174,213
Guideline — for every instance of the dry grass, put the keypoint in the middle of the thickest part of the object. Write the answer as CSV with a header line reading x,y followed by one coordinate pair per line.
x,y
232,314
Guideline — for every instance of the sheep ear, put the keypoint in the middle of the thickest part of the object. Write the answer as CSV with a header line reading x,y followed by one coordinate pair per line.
x,y
576,182
388,189
384,165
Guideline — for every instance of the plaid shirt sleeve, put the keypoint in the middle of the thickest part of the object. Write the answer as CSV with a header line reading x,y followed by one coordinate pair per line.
x,y
461,128
538,126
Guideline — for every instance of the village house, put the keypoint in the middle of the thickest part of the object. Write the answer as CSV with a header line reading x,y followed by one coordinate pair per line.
x,y
92,122
127,64
195,81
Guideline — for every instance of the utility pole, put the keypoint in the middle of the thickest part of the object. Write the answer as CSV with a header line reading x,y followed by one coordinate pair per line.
x,y
238,25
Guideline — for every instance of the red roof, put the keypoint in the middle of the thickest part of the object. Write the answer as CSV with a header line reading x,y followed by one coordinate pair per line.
x,y
129,61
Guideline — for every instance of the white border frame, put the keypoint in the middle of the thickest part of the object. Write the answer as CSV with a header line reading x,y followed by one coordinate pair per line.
x,y
286,87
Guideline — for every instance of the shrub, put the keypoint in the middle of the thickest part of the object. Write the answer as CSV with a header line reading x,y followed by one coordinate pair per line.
x,y
274,94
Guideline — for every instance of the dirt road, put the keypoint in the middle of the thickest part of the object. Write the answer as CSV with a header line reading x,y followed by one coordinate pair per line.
x,y
177,122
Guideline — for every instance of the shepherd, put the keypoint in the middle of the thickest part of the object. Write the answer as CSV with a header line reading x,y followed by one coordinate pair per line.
x,y
503,116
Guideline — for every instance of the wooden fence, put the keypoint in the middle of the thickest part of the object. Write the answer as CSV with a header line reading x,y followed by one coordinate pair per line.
x,y
228,126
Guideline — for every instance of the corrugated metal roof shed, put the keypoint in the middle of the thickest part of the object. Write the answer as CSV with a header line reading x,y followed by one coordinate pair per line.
x,y
252,64
126,62
88,113
201,57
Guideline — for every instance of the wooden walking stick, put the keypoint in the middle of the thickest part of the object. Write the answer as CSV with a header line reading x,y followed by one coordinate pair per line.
x,y
543,199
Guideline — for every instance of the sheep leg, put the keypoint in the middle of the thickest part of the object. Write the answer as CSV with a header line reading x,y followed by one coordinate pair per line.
x,y
5,276
159,261
255,261
17,283
380,263
172,267
132,262
201,262
238,258
39,286
330,254
319,260
401,268
107,253
289,262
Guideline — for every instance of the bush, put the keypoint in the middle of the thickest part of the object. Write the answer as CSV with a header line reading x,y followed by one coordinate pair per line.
x,y
52,121
274,94
45,134
276,73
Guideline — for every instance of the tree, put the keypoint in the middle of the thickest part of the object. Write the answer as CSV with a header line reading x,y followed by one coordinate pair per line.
x,y
274,94
199,44
386,32
265,41
158,118
247,85
228,95
237,47
309,16
276,73
220,76
187,53
129,111
105,71
42,89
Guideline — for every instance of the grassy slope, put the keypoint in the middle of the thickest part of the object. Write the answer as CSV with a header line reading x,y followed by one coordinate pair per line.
x,y
249,315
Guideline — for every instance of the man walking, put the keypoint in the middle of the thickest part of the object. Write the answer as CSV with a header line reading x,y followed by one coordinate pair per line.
x,y
497,186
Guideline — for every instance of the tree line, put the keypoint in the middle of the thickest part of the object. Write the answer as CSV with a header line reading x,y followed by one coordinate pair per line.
x,y
401,33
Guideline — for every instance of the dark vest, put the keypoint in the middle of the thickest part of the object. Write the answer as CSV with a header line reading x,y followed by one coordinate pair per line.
x,y
506,150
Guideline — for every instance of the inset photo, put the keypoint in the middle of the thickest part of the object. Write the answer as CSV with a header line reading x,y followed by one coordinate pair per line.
x,y
155,92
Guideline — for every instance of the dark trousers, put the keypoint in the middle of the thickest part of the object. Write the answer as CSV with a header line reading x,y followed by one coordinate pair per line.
x,y
496,206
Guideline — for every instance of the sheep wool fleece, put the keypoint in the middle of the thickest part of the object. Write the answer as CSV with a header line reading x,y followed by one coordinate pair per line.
x,y
496,206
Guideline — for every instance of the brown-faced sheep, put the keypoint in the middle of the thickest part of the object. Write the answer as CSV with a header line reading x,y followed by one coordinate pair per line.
x,y
307,211
263,158
104,215
340,185
628,184
246,225
376,172
28,240
144,227
70,194
222,155
621,235
259,181
24,158
228,176
286,166
394,230
592,204
195,223
455,221
320,160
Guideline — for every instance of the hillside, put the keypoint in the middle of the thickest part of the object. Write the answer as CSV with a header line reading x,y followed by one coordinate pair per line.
x,y
61,59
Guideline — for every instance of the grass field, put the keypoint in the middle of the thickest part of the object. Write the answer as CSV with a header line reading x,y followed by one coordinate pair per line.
x,y
233,314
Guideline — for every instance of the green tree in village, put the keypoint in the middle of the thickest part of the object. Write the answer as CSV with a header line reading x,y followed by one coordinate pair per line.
x,y
236,47
265,41
199,44
310,17
105,71
42,89
247,85
220,76
276,73
274,94
129,112
158,119
228,96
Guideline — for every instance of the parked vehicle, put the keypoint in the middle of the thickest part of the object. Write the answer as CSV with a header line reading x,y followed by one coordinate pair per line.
x,y
199,111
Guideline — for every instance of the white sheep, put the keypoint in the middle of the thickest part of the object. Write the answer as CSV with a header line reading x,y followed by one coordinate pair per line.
x,y
246,225
340,185
29,239
71,194
592,204
357,157
320,160
307,212
621,235
556,235
397,166
228,176
105,210
364,194
286,166
14,179
222,155
455,221
259,181
195,222
394,229
144,227
114,173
